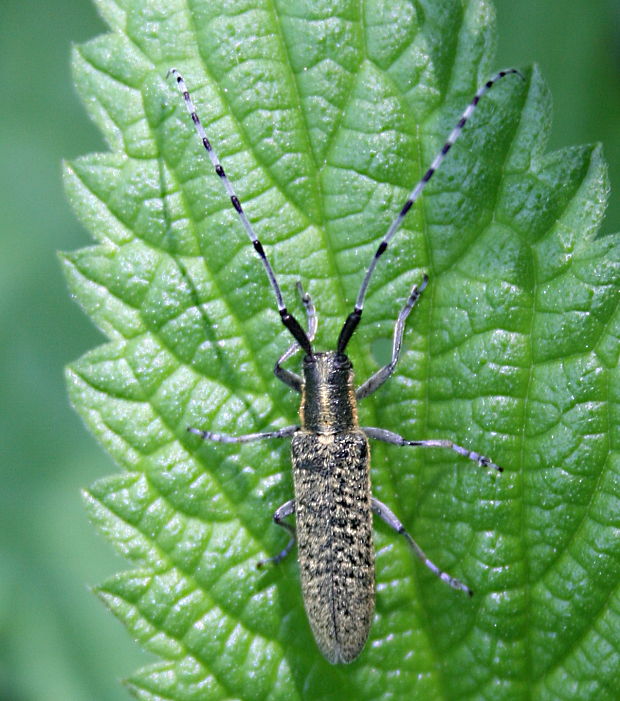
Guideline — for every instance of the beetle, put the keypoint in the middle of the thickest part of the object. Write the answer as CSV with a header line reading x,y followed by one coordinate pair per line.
x,y
333,504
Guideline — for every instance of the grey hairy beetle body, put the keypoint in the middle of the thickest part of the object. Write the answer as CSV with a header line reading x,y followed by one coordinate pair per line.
x,y
333,513
333,503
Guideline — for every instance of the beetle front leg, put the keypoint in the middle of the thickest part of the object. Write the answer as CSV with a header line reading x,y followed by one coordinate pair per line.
x,y
289,378
374,382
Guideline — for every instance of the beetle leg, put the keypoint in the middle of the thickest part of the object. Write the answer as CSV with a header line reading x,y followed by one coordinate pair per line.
x,y
246,438
381,434
389,517
285,510
374,382
290,378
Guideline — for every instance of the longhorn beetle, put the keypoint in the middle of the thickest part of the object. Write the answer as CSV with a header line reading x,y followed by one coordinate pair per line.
x,y
333,504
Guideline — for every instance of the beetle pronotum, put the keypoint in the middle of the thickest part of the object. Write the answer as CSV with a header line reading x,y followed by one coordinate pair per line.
x,y
333,504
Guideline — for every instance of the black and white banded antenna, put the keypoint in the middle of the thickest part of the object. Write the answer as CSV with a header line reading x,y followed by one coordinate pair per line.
x,y
354,317
289,321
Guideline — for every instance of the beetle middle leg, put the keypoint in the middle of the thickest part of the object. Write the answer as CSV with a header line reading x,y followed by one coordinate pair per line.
x,y
390,518
246,438
288,507
381,434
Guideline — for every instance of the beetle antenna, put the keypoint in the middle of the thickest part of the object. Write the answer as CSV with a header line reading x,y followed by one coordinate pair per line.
x,y
354,317
289,321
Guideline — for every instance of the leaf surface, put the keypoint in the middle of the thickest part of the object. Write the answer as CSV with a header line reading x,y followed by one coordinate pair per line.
x,y
325,114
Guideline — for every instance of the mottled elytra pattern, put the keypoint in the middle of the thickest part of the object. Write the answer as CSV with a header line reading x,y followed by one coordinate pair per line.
x,y
333,503
333,518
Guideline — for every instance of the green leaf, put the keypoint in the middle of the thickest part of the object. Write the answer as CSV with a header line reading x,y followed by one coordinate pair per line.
x,y
325,114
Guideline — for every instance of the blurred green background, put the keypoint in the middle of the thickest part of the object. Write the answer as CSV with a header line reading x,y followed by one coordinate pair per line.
x,y
56,640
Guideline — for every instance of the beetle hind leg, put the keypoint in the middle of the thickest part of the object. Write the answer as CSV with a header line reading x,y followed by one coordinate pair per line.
x,y
287,509
390,518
